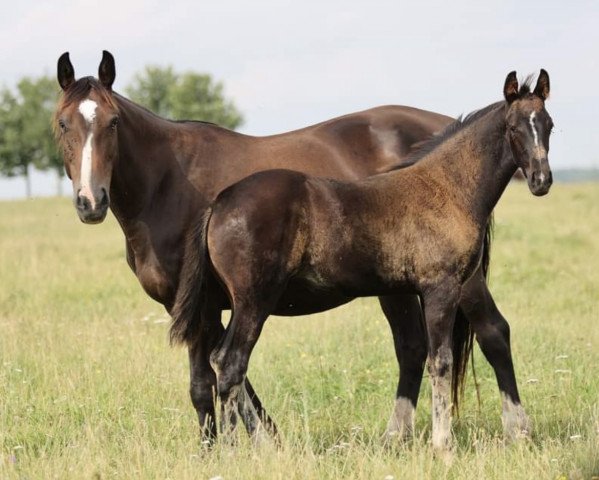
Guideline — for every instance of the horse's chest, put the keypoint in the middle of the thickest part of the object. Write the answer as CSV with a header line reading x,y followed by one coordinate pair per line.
x,y
154,279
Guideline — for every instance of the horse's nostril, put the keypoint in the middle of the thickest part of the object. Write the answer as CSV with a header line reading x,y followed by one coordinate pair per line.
x,y
104,199
83,203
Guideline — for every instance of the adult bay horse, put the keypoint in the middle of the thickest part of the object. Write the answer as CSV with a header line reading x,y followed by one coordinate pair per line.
x,y
157,175
412,230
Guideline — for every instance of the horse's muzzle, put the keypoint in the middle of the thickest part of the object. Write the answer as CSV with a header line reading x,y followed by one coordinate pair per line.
x,y
89,213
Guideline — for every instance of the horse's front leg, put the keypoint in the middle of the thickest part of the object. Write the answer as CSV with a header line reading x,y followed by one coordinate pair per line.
x,y
440,304
202,385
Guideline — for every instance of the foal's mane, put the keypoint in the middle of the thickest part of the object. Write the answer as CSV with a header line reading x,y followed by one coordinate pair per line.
x,y
456,126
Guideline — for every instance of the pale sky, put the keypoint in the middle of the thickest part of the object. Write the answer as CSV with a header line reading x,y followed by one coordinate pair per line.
x,y
288,64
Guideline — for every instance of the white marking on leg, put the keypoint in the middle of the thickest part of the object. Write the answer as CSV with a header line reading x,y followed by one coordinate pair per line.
x,y
516,423
401,423
441,386
87,108
441,391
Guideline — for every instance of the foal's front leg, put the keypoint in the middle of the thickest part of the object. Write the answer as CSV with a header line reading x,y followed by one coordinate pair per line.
x,y
440,304
493,336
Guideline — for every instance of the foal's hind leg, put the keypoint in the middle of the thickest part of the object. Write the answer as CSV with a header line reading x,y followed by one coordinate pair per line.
x,y
203,387
230,362
404,315
493,336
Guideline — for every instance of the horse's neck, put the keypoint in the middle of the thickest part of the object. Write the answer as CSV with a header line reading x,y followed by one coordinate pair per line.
x,y
476,165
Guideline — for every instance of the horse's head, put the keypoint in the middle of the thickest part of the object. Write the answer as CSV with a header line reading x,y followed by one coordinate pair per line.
x,y
528,129
86,123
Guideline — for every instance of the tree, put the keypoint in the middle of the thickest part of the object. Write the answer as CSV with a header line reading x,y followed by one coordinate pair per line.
x,y
187,96
26,136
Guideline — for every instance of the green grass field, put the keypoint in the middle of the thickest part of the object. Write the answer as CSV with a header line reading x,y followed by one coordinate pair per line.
x,y
89,387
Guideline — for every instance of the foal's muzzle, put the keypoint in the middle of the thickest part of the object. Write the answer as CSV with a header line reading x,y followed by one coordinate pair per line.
x,y
540,182
89,213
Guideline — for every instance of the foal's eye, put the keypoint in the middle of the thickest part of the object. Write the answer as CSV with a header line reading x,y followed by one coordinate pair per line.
x,y
114,122
62,125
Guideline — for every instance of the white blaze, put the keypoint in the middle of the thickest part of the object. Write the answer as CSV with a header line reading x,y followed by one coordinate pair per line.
x,y
87,108
539,150
531,120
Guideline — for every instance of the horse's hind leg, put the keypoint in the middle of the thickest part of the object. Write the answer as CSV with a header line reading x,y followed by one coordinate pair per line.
x,y
230,361
404,315
493,336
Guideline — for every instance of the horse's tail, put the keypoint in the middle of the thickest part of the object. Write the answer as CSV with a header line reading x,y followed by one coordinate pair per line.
x,y
463,335
191,292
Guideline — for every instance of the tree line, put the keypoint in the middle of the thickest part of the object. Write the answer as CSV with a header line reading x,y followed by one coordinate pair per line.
x,y
26,130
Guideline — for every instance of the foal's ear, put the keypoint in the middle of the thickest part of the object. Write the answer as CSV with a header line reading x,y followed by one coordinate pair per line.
x,y
542,88
65,71
106,70
510,88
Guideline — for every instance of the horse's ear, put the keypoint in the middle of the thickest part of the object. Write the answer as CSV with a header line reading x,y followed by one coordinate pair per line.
x,y
542,88
107,71
65,71
510,88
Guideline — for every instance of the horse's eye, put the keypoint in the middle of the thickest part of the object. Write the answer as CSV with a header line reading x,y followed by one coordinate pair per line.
x,y
513,128
114,122
62,125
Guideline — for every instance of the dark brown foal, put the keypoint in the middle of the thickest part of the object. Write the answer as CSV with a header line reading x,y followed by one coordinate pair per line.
x,y
415,230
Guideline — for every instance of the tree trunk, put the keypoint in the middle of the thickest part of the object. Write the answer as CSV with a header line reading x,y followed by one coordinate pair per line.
x,y
27,182
59,177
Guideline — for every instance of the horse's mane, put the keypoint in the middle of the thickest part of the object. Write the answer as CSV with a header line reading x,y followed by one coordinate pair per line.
x,y
426,147
153,114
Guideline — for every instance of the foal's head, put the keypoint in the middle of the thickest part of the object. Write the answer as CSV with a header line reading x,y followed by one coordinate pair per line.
x,y
86,124
528,129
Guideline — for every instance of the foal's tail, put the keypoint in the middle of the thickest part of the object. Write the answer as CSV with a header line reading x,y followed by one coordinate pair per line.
x,y
463,335
191,292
